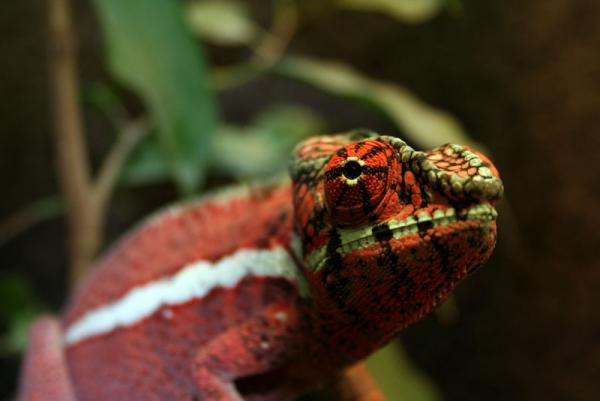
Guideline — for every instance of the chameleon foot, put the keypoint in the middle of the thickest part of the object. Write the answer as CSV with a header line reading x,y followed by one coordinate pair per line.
x,y
356,384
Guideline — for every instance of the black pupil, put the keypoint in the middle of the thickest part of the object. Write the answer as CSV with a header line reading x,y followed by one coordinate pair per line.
x,y
352,169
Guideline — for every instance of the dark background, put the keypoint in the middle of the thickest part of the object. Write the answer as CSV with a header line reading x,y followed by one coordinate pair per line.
x,y
524,79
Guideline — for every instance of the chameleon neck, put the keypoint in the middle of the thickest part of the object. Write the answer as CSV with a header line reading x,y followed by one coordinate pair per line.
x,y
346,333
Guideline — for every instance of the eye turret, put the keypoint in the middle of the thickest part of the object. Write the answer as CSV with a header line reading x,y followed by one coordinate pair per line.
x,y
357,179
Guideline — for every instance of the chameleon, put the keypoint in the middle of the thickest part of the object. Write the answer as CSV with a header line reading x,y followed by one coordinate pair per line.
x,y
263,292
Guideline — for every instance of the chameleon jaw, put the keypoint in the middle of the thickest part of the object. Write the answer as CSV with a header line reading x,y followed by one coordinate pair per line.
x,y
353,239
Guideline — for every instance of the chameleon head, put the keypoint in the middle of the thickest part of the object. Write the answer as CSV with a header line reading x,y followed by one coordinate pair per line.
x,y
388,231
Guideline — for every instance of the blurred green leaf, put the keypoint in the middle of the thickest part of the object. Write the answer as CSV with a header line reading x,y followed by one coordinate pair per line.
x,y
398,378
263,148
100,96
426,126
224,22
18,308
147,164
152,53
412,11
15,339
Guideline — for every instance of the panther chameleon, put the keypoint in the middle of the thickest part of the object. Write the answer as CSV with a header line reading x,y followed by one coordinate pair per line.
x,y
265,291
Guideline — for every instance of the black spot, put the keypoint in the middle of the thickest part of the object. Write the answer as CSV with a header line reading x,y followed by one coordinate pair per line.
x,y
271,230
366,197
358,145
339,199
334,173
335,262
334,242
381,171
352,169
342,152
424,225
388,258
339,289
372,152
460,215
443,254
382,232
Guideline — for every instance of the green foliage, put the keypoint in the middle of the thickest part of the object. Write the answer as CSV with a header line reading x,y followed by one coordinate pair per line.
x,y
412,11
425,125
398,378
17,310
101,96
147,164
224,22
264,146
150,51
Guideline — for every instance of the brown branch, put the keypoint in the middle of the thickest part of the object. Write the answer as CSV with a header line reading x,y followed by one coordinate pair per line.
x,y
86,200
28,216
267,52
73,167
283,28
131,135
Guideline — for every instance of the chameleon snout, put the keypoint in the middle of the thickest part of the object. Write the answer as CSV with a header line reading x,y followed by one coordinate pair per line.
x,y
460,173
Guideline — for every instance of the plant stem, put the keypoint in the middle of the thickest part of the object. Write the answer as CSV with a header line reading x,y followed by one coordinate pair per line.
x,y
73,167
28,216
130,136
267,52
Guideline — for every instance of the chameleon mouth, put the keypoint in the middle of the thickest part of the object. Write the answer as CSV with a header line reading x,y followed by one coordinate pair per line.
x,y
353,239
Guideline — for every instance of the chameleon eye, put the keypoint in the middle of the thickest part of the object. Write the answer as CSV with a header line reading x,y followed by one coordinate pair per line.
x,y
356,181
352,169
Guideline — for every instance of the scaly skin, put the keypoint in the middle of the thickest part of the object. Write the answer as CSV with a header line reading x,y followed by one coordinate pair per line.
x,y
262,294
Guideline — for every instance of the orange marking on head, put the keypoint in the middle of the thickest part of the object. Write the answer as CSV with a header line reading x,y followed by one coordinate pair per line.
x,y
409,178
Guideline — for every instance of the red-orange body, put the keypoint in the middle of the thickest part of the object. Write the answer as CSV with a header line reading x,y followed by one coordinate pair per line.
x,y
262,293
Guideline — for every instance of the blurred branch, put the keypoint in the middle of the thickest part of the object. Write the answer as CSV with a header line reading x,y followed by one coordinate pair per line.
x,y
267,52
85,199
131,135
283,28
72,162
49,207
21,220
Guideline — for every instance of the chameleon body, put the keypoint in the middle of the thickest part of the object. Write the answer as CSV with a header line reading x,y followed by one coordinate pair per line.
x,y
264,292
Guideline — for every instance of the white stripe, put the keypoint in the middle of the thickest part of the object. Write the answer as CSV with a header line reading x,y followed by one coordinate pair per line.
x,y
191,282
